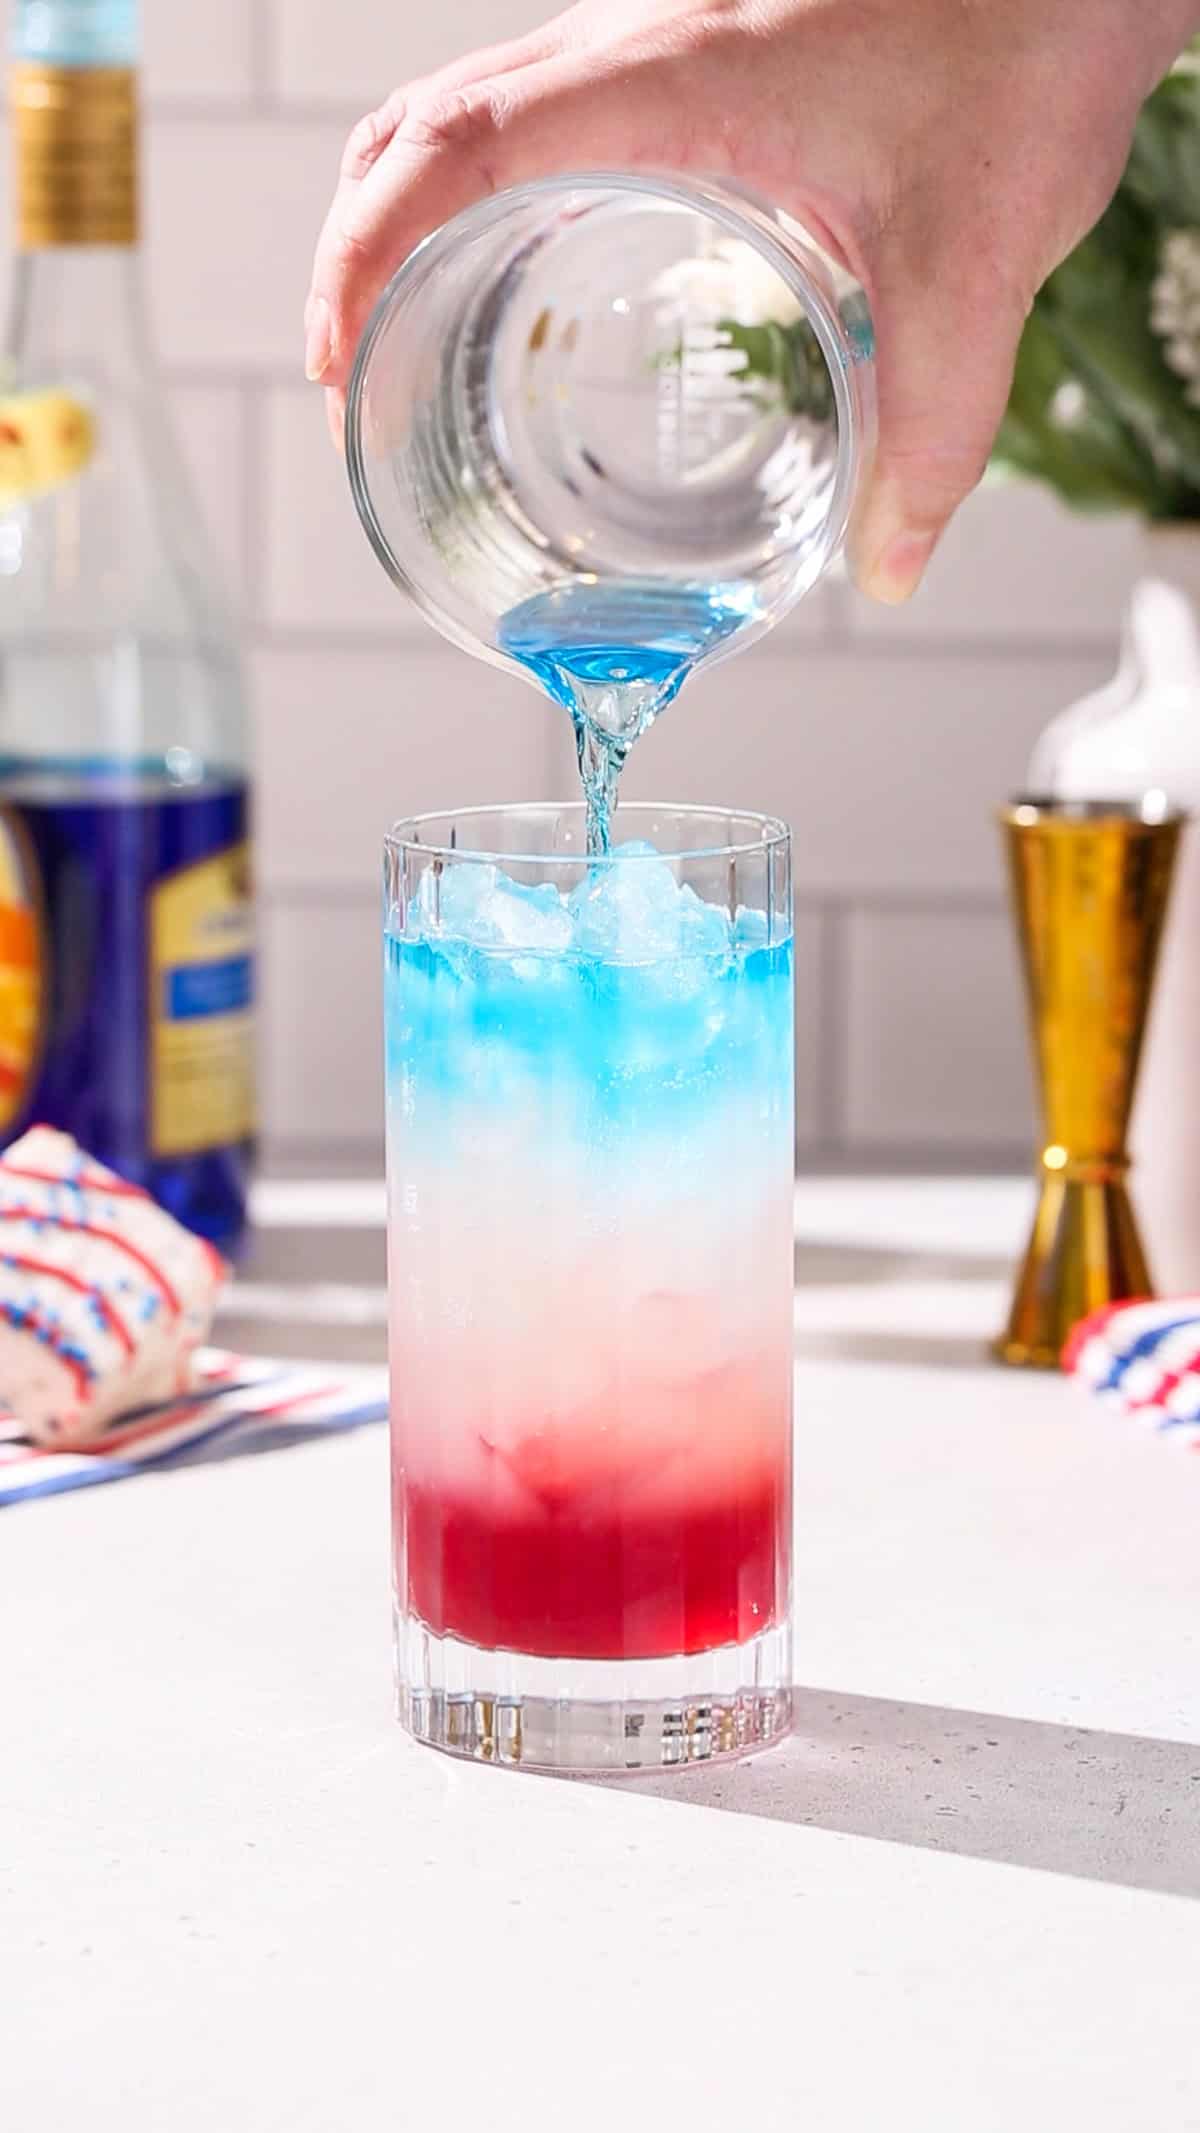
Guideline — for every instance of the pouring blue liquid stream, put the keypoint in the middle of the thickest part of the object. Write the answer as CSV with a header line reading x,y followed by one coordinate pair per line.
x,y
614,653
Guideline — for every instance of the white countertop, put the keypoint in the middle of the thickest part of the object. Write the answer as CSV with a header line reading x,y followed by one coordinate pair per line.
x,y
234,1899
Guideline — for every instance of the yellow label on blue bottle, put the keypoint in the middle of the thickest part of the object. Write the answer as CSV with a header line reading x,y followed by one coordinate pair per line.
x,y
201,946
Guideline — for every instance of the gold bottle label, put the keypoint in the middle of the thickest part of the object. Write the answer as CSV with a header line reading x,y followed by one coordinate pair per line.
x,y
76,154
201,939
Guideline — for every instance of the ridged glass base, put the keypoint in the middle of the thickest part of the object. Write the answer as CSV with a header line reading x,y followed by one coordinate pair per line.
x,y
593,1715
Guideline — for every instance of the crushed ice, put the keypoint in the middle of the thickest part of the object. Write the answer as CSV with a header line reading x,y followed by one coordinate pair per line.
x,y
634,913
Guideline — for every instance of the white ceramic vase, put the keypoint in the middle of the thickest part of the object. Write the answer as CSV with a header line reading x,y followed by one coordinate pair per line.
x,y
1140,735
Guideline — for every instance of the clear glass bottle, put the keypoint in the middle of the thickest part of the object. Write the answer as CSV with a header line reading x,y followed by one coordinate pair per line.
x,y
126,951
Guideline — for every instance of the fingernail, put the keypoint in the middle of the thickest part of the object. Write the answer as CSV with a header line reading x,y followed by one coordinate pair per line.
x,y
318,339
898,570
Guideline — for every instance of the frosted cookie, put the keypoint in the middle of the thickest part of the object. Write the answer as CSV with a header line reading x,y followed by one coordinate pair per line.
x,y
104,1297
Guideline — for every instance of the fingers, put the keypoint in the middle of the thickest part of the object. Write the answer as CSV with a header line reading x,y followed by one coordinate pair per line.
x,y
945,370
373,134
433,152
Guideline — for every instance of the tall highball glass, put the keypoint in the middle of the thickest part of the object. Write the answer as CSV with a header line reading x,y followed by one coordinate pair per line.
x,y
589,1070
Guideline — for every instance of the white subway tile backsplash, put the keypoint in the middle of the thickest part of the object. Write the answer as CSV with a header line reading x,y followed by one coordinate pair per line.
x,y
188,51
322,1044
197,52
208,424
350,741
1015,564
888,746
233,211
319,571
889,770
356,52
936,1046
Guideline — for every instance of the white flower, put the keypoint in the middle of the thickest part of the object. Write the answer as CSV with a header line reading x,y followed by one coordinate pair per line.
x,y
1175,308
733,281
1069,405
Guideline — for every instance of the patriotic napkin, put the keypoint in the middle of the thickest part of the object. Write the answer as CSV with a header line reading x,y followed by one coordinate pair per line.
x,y
236,1406
1144,1360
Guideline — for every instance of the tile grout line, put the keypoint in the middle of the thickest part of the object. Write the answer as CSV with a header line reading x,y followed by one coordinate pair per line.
x,y
832,1036
373,636
247,106
165,107
254,512
1022,647
938,900
261,46
319,896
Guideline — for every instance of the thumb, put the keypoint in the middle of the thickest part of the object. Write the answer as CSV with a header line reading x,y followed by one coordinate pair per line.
x,y
450,147
945,372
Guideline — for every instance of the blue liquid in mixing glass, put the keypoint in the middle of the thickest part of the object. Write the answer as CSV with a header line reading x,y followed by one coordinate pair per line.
x,y
614,653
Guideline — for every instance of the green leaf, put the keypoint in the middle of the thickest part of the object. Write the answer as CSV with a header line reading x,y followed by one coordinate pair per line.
x,y
788,357
1163,173
1095,309
1131,436
1089,457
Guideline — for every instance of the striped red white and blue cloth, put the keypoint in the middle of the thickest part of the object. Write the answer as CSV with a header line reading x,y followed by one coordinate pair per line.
x,y
1143,1359
236,1406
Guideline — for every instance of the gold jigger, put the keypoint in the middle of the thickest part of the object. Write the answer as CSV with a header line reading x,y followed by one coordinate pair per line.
x,y
1090,883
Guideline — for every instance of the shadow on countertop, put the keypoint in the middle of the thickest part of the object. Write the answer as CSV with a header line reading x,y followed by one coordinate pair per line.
x,y
1107,1807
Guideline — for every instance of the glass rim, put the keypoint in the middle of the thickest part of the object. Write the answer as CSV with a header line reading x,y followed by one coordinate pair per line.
x,y
768,834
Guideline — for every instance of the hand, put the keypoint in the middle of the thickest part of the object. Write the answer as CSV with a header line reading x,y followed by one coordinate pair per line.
x,y
951,151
